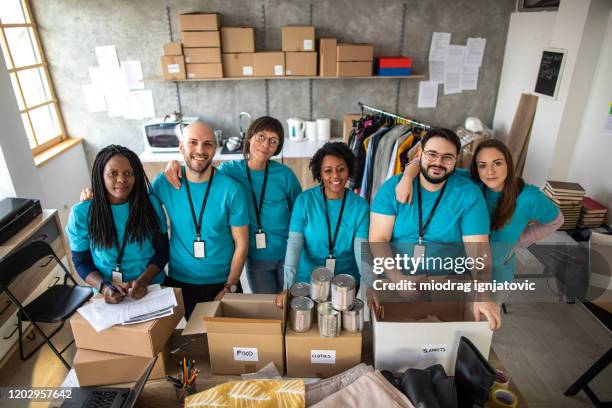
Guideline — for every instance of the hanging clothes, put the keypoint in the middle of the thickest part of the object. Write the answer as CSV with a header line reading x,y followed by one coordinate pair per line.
x,y
383,155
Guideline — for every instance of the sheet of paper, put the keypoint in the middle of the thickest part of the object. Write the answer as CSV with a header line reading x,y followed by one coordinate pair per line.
x,y
133,73
428,94
452,83
107,57
454,58
153,301
96,74
475,51
116,89
436,71
469,77
94,98
139,105
608,125
439,44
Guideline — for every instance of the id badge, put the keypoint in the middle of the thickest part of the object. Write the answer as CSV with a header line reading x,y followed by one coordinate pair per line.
x,y
330,263
199,249
260,240
419,251
117,276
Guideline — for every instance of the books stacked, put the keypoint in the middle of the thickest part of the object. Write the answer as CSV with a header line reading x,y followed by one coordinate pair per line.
x,y
592,214
568,197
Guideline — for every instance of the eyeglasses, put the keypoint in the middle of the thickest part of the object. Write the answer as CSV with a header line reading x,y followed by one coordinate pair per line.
x,y
432,155
271,140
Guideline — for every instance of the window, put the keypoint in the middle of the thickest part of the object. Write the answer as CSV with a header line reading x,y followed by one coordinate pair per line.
x,y
27,66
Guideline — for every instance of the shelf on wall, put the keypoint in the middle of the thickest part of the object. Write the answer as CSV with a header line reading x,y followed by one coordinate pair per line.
x,y
160,79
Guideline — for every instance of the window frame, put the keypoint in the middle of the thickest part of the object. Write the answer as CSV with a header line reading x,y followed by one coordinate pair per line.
x,y
31,24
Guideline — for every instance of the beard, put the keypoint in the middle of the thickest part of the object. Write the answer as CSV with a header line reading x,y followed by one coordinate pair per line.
x,y
198,168
438,179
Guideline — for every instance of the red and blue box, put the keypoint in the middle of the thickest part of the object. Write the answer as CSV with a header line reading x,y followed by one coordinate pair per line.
x,y
394,66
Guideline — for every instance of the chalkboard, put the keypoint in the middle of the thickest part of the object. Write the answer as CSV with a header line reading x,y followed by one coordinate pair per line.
x,y
549,74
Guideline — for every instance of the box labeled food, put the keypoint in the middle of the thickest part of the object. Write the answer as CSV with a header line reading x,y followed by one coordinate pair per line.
x,y
101,368
237,39
173,48
173,67
142,339
196,39
203,71
198,21
237,65
355,52
310,355
300,63
298,38
268,64
327,57
244,331
420,334
354,69
202,55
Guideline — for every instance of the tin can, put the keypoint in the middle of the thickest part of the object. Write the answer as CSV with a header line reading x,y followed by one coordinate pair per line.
x,y
343,292
320,283
352,319
300,289
301,314
329,320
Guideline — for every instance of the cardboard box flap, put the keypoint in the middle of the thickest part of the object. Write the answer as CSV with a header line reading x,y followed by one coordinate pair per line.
x,y
195,325
236,325
412,311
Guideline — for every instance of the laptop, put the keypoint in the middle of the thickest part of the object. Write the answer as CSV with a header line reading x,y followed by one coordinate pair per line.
x,y
95,397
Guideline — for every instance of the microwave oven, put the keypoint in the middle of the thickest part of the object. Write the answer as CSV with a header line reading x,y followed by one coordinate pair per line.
x,y
164,136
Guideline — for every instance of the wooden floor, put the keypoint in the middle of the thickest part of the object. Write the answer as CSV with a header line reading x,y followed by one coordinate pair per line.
x,y
545,348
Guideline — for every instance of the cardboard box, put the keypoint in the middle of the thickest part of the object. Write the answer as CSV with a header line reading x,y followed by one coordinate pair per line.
x,y
327,57
245,332
202,55
143,339
355,52
394,62
401,342
300,63
195,39
312,356
173,48
173,67
200,21
237,65
269,64
203,71
298,38
100,368
354,69
347,125
238,39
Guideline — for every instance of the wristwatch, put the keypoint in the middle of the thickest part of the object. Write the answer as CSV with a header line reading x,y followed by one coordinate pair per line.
x,y
231,288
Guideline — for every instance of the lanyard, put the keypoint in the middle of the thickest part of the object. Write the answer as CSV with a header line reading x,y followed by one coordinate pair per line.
x,y
433,209
261,196
120,249
332,242
198,223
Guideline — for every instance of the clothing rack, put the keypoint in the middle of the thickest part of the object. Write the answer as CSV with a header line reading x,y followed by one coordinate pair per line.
x,y
401,118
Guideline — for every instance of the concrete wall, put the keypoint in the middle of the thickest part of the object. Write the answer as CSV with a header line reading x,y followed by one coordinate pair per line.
x,y
70,29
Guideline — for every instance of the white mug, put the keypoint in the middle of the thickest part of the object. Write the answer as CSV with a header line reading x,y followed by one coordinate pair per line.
x,y
324,129
297,128
311,131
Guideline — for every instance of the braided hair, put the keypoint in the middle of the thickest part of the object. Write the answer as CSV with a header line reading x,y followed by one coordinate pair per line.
x,y
142,221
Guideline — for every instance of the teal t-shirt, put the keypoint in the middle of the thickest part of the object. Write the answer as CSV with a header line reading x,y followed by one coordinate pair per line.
x,y
136,256
226,208
308,217
282,189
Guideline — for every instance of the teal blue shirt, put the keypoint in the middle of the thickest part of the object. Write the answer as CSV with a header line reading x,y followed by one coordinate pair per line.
x,y
282,189
136,256
308,217
226,208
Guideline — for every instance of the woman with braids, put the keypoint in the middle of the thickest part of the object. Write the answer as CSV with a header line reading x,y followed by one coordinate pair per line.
x,y
118,238
520,213
328,223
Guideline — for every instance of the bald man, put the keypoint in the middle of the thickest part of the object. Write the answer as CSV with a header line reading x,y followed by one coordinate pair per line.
x,y
209,223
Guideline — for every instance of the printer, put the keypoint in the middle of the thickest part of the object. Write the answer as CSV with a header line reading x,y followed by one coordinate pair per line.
x,y
15,214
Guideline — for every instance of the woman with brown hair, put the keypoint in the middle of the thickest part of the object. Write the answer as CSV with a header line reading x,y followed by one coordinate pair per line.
x,y
520,213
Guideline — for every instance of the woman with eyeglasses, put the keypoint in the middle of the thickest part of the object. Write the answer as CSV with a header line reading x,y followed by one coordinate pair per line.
x,y
520,213
272,189
119,238
329,221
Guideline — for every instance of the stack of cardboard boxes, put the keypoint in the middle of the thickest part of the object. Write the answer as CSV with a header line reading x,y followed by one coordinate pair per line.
x,y
354,60
238,46
394,66
328,57
121,353
172,62
201,45
299,49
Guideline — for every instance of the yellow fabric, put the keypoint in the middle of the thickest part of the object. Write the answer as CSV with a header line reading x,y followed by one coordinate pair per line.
x,y
251,394
407,144
366,143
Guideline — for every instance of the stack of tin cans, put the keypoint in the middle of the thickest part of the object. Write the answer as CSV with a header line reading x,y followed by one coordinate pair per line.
x,y
343,310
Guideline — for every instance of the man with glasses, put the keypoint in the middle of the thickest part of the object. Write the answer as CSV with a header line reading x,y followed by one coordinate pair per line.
x,y
449,209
